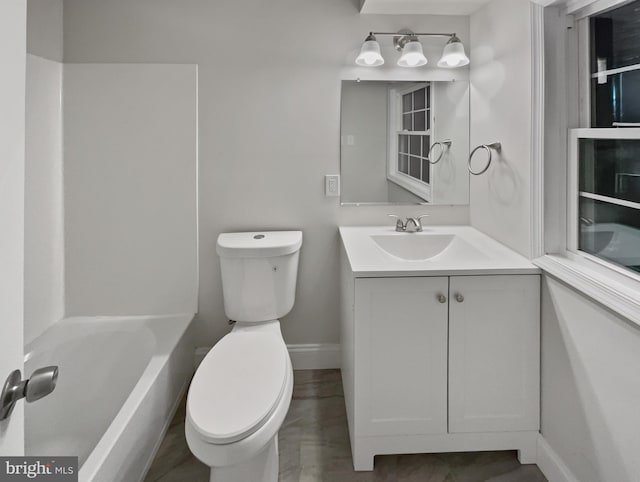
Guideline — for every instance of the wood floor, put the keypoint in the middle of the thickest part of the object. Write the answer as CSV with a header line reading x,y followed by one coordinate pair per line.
x,y
314,446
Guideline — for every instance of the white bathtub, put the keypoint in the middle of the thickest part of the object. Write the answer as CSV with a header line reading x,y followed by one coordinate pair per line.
x,y
120,380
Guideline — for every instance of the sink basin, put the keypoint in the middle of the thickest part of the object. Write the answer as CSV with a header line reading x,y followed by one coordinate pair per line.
x,y
380,251
413,247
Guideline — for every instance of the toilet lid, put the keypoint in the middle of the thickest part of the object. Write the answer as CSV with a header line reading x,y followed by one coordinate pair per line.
x,y
237,386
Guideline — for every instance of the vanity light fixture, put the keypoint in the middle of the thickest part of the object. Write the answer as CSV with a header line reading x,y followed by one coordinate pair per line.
x,y
454,55
412,55
407,42
370,53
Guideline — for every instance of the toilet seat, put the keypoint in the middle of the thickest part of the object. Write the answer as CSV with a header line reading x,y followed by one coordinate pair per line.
x,y
237,386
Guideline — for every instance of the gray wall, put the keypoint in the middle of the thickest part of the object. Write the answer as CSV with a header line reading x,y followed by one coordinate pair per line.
x,y
44,28
269,123
363,164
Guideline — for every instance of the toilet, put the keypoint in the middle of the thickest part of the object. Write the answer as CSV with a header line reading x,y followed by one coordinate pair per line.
x,y
241,392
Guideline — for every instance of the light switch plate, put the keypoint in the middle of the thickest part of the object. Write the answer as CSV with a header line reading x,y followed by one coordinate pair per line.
x,y
332,185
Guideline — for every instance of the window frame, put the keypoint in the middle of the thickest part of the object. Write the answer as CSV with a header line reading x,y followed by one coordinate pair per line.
x,y
417,187
558,61
583,53
573,199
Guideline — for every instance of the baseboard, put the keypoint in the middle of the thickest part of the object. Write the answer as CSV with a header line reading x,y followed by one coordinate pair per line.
x,y
551,465
313,356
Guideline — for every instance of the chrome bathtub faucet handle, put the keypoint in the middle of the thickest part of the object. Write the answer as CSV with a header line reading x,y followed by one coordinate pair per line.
x,y
401,226
42,383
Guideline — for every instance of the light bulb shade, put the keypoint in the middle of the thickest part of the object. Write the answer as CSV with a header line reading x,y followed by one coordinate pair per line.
x,y
454,55
412,55
370,53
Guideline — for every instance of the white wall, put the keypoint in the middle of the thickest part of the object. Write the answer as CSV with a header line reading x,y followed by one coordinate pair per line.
x,y
590,386
44,28
363,162
44,263
269,127
501,89
13,34
130,159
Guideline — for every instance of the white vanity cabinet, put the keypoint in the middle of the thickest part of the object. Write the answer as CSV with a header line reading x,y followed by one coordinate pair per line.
x,y
401,356
494,353
441,364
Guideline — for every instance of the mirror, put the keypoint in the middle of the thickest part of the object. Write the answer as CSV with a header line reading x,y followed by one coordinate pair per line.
x,y
404,142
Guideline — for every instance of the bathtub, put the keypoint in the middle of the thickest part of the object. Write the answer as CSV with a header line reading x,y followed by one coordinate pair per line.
x,y
120,381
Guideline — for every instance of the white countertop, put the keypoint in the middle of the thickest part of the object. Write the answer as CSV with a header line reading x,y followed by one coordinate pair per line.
x,y
477,254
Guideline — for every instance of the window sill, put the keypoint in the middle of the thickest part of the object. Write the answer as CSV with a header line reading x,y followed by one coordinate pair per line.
x,y
415,187
623,299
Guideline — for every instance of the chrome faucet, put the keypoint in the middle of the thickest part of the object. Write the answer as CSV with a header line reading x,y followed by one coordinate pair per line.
x,y
405,226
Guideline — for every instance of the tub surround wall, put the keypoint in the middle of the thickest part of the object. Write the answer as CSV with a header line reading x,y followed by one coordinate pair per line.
x,y
269,128
501,106
44,245
130,157
44,262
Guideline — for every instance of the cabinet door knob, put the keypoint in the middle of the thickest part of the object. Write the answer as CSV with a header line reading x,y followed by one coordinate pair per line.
x,y
459,298
442,298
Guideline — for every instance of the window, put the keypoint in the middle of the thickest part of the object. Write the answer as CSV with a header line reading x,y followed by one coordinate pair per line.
x,y
605,157
411,130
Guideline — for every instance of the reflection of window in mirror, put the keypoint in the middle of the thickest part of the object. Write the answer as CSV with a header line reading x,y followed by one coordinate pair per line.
x,y
411,126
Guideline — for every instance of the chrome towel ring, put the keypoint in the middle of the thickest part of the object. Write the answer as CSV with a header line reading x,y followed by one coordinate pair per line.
x,y
489,148
444,145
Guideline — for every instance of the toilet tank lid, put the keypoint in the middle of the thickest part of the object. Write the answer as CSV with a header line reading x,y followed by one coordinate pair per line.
x,y
258,244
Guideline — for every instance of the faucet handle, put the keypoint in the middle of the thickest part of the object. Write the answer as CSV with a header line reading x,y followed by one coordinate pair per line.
x,y
419,222
400,225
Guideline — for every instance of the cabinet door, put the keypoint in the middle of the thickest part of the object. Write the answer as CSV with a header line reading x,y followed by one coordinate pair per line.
x,y
401,356
494,353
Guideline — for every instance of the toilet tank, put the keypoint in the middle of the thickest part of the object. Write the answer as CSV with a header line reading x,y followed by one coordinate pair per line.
x,y
259,273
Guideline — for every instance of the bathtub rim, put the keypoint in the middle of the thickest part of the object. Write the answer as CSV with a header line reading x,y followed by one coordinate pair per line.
x,y
149,375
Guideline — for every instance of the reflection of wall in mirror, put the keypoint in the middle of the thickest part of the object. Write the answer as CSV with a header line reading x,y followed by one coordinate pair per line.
x,y
450,177
364,142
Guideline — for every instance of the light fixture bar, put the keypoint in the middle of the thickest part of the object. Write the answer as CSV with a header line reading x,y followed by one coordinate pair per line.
x,y
401,34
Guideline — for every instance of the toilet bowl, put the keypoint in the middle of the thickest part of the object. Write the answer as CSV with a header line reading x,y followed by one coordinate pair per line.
x,y
241,392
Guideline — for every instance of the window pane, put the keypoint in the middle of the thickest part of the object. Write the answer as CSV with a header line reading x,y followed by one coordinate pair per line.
x,y
407,102
407,123
611,168
426,145
419,123
616,99
403,163
403,145
425,171
415,147
414,167
419,99
428,95
610,232
615,37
